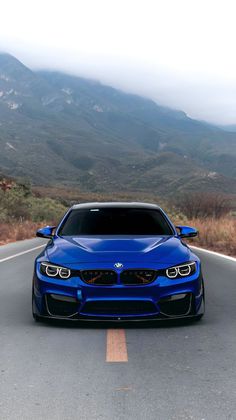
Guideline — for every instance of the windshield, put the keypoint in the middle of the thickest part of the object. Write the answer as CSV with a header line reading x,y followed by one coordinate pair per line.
x,y
115,221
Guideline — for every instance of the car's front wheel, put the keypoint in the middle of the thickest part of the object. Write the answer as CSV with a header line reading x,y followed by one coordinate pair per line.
x,y
199,316
36,317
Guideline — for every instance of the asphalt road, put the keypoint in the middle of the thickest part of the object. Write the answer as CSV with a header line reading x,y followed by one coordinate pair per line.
x,y
174,371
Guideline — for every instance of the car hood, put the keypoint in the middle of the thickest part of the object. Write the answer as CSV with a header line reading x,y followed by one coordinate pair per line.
x,y
75,250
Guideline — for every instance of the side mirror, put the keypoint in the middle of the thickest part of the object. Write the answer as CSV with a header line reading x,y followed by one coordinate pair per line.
x,y
187,231
46,232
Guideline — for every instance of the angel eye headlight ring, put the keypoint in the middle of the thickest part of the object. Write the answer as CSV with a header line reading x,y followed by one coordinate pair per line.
x,y
64,273
52,270
182,270
172,272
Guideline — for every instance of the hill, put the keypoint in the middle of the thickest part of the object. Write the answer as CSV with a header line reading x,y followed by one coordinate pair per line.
x,y
58,129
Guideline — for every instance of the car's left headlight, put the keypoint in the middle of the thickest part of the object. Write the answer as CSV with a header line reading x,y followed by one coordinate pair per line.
x,y
181,270
55,271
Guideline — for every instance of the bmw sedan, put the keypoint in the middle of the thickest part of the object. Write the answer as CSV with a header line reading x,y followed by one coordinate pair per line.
x,y
117,261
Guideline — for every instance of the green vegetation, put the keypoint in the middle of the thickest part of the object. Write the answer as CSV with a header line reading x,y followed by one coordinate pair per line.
x,y
19,204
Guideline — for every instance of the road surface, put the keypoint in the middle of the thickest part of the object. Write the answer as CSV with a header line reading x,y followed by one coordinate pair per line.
x,y
169,372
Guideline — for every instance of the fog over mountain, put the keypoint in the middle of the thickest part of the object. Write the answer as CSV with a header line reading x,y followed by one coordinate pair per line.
x,y
180,54
58,129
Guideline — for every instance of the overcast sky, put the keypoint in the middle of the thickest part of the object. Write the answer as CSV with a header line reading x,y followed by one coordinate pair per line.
x,y
181,53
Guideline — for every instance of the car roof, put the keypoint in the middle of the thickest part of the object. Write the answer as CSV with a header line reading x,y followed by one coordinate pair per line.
x,y
116,204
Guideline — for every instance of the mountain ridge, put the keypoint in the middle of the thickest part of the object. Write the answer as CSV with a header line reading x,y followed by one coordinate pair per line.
x,y
61,129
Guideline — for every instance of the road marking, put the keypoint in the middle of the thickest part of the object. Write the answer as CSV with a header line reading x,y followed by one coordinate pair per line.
x,y
217,254
116,346
21,253
125,388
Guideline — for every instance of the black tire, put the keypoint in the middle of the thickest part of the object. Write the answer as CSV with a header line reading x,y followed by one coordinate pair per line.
x,y
198,318
37,318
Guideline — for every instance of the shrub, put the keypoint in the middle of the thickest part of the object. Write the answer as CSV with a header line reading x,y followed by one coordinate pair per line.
x,y
14,205
18,204
46,209
202,205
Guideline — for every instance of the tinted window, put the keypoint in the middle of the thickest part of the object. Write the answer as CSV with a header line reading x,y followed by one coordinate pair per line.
x,y
115,221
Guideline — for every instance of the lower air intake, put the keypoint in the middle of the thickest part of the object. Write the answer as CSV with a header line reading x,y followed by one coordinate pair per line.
x,y
119,308
57,305
176,307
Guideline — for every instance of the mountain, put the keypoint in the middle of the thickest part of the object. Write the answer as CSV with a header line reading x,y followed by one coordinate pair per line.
x,y
231,127
61,129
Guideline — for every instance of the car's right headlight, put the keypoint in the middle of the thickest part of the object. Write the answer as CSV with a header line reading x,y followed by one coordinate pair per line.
x,y
55,271
182,270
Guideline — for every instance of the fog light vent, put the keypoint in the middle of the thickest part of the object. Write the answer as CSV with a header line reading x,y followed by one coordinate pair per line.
x,y
176,305
61,305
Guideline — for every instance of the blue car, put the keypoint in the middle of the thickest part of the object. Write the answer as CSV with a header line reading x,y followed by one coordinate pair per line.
x,y
117,261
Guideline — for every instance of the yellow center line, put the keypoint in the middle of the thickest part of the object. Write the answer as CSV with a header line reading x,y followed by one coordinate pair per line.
x,y
116,346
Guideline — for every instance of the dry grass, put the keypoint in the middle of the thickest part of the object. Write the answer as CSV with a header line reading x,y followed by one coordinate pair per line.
x,y
11,232
216,234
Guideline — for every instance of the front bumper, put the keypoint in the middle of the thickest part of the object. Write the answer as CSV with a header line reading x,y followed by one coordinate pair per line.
x,y
76,300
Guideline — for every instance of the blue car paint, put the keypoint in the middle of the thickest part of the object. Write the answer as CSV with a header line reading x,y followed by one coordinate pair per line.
x,y
102,252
